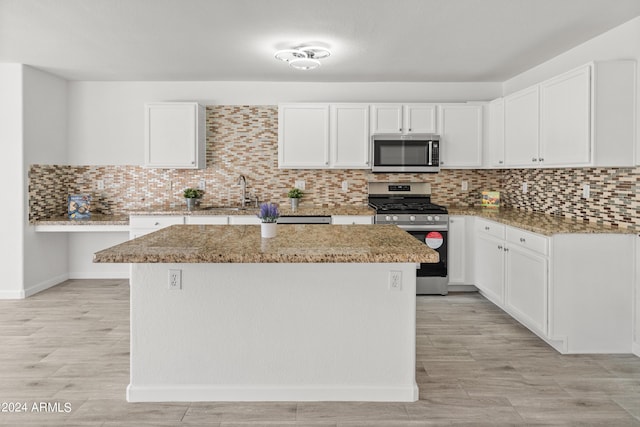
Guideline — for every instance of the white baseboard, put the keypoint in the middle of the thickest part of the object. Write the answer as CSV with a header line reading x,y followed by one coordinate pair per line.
x,y
12,294
95,275
32,290
274,393
635,348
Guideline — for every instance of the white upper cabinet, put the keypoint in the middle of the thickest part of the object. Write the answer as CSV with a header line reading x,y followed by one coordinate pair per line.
x,y
521,129
494,141
565,119
403,118
303,136
175,135
460,128
419,118
349,141
585,117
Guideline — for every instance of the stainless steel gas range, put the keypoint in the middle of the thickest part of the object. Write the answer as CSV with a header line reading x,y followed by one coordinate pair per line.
x,y
408,205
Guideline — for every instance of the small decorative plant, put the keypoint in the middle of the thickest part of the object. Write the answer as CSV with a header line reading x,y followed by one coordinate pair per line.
x,y
193,193
268,212
295,193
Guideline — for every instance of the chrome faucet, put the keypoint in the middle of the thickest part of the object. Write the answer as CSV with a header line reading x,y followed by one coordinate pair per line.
x,y
243,188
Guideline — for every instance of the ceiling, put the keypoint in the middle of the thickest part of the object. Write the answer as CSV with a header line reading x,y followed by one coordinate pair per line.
x,y
234,40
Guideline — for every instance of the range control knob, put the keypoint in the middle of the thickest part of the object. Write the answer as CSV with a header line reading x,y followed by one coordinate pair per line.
x,y
437,218
412,218
395,218
429,218
387,218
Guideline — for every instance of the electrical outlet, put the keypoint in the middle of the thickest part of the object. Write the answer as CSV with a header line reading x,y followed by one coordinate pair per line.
x,y
465,185
300,184
202,185
525,187
586,191
395,280
100,184
175,279
345,186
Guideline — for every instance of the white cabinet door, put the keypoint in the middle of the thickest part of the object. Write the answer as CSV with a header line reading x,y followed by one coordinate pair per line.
x,y
495,142
521,115
456,250
303,136
565,108
145,224
244,220
489,267
175,135
351,219
461,135
526,287
349,145
419,118
386,118
206,219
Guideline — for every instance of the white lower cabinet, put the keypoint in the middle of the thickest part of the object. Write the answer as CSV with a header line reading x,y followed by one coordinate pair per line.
x,y
526,287
351,219
244,220
574,291
207,219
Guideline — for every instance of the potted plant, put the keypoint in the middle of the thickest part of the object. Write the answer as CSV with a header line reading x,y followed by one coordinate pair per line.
x,y
192,196
269,216
295,194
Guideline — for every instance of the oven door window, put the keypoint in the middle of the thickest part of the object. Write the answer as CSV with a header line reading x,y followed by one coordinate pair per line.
x,y
401,153
437,240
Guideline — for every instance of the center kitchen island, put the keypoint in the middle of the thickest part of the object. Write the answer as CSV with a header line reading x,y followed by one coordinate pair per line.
x,y
317,313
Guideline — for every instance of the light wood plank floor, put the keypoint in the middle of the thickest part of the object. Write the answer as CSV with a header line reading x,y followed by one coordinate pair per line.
x,y
475,366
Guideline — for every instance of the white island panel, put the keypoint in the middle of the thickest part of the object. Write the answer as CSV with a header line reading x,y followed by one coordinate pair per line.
x,y
273,332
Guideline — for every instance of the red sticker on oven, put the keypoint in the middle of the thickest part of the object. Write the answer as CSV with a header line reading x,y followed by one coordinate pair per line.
x,y
434,239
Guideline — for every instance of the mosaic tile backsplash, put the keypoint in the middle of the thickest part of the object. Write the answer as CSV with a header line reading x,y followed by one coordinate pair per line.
x,y
243,140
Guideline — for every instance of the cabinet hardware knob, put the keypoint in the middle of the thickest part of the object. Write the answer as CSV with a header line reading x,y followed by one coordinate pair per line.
x,y
400,129
442,163
522,240
499,247
157,223
506,249
534,160
409,129
326,163
500,162
541,159
486,228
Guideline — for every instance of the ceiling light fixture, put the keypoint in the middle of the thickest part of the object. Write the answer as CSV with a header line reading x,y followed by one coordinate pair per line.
x,y
303,57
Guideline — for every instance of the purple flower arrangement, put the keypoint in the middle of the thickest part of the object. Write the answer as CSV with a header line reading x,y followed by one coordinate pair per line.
x,y
268,212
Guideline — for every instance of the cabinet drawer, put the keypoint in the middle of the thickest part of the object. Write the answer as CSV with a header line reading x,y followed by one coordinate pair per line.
x,y
207,220
155,222
491,228
351,219
526,239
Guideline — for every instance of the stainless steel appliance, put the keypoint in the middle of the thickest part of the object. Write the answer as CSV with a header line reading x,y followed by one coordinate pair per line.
x,y
405,153
302,219
408,205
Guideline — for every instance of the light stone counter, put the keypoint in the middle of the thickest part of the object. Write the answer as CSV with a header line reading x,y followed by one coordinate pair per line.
x,y
540,223
293,244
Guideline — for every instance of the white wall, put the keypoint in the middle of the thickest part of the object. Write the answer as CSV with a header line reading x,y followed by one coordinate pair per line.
x,y
11,173
106,119
622,42
44,142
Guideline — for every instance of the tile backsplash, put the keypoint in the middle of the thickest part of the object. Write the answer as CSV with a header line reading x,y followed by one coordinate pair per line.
x,y
244,140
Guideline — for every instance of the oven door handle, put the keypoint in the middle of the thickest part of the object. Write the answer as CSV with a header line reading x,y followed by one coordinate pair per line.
x,y
424,227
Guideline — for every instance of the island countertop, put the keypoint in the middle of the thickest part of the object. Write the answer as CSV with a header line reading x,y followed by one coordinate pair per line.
x,y
293,244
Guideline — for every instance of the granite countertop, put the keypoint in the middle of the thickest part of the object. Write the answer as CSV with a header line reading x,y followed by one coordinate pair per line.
x,y
285,210
540,223
293,244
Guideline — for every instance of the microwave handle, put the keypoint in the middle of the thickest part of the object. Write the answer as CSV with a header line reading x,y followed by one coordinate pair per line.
x,y
430,161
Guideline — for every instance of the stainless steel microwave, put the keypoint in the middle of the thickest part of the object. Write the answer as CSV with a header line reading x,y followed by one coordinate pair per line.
x,y
405,153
